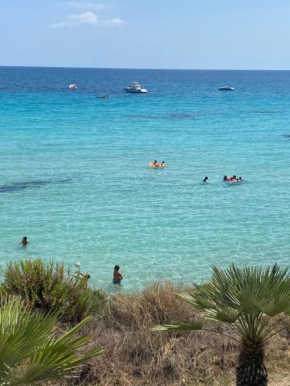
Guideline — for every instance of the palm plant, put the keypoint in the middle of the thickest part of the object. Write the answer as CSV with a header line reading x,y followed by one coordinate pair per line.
x,y
31,350
248,301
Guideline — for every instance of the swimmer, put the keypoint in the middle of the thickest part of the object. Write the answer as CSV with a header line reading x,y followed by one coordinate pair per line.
x,y
163,164
225,178
155,163
117,277
240,179
205,180
24,241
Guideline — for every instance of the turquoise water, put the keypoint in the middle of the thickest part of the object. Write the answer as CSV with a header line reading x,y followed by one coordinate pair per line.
x,y
75,176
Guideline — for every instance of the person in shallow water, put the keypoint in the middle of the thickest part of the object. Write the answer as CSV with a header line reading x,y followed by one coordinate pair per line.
x,y
24,241
205,180
155,163
117,277
163,164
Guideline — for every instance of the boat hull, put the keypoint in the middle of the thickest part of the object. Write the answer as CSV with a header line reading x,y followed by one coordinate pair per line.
x,y
226,89
135,91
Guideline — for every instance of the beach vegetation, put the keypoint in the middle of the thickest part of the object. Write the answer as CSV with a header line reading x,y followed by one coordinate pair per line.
x,y
134,355
50,286
251,305
33,349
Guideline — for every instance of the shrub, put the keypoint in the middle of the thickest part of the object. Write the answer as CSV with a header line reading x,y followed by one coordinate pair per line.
x,y
51,286
134,355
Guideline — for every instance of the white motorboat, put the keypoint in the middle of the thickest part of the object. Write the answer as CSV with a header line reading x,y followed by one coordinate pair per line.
x,y
135,88
72,87
226,88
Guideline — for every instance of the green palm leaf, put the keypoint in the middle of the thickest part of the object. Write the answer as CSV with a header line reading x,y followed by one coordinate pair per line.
x,y
30,352
179,327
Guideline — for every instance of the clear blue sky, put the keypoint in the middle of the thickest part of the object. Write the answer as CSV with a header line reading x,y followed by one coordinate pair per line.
x,y
189,34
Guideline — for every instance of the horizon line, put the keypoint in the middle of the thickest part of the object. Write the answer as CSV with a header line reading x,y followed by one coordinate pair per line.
x,y
148,69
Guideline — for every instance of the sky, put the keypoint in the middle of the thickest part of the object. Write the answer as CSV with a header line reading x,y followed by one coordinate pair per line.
x,y
175,34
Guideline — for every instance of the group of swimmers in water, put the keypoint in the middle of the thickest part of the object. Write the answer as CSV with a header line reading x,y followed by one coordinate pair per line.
x,y
117,276
233,179
228,179
157,164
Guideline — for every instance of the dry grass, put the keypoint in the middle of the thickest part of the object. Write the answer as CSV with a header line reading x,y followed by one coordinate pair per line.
x,y
135,356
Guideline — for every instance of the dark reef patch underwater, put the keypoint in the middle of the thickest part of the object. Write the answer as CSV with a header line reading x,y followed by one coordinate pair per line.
x,y
20,186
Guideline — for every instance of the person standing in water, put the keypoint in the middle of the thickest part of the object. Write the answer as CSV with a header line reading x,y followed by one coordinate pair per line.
x,y
117,276
24,241
205,180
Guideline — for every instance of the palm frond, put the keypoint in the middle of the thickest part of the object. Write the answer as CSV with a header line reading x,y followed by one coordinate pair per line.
x,y
29,350
245,298
179,327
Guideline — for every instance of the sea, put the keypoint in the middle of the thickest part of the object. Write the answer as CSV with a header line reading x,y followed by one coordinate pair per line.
x,y
75,176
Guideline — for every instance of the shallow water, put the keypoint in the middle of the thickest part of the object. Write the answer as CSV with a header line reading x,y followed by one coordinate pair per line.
x,y
75,176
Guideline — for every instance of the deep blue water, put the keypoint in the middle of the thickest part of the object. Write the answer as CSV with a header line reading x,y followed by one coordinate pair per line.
x,y
74,173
